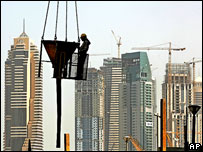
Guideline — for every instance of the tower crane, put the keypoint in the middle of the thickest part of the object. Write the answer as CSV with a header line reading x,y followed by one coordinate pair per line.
x,y
193,65
118,43
169,49
134,142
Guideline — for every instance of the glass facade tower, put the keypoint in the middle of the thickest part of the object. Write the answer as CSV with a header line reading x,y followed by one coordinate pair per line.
x,y
137,101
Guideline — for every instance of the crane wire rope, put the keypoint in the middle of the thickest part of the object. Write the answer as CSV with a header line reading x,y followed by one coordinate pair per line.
x,y
55,38
45,20
76,12
43,39
66,20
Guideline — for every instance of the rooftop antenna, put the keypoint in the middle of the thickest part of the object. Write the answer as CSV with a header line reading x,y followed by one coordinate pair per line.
x,y
23,25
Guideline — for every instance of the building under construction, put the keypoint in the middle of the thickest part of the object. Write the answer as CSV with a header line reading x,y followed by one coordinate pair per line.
x,y
198,101
181,97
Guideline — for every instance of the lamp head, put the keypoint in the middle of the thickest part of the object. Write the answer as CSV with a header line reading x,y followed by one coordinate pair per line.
x,y
194,109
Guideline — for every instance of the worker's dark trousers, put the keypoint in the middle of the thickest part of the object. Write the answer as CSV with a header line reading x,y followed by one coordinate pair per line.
x,y
81,61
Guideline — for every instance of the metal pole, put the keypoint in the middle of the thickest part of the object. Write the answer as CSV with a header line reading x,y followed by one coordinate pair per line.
x,y
64,142
29,145
185,137
157,132
197,130
157,117
143,113
193,130
180,135
185,132
58,86
126,144
169,124
163,124
161,127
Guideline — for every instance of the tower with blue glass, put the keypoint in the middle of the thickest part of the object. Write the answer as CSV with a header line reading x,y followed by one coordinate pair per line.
x,y
137,101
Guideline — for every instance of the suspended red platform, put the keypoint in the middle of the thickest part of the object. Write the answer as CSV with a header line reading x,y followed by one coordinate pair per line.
x,y
65,62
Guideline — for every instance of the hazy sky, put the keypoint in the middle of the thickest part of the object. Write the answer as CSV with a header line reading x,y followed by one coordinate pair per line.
x,y
138,23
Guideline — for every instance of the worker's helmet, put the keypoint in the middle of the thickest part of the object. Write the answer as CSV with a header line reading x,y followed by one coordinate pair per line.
x,y
83,35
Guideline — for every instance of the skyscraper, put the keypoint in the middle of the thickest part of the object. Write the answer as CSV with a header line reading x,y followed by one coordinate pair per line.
x,y
23,97
137,101
181,97
89,112
112,72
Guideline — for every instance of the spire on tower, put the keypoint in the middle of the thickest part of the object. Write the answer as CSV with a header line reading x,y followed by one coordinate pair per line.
x,y
23,25
23,34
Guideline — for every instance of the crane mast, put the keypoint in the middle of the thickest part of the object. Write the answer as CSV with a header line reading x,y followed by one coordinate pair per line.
x,y
118,43
169,87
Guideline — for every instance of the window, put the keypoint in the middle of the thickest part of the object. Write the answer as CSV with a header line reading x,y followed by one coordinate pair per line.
x,y
143,74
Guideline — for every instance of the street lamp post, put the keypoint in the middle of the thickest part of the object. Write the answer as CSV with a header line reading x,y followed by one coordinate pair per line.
x,y
126,138
185,133
157,116
193,109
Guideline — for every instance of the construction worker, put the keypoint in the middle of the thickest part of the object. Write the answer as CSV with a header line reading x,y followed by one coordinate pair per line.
x,y
85,45
82,55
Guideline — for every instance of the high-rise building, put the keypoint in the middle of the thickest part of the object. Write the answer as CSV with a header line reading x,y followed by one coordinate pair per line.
x,y
198,101
23,97
137,101
181,97
112,72
89,112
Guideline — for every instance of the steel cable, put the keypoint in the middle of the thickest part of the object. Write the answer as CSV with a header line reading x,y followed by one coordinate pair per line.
x,y
56,21
42,40
77,20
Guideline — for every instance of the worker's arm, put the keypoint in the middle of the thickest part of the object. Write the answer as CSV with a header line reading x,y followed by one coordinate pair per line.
x,y
85,46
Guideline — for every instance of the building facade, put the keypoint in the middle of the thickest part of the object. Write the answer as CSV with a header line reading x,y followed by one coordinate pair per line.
x,y
112,72
137,102
181,97
23,97
89,112
198,101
